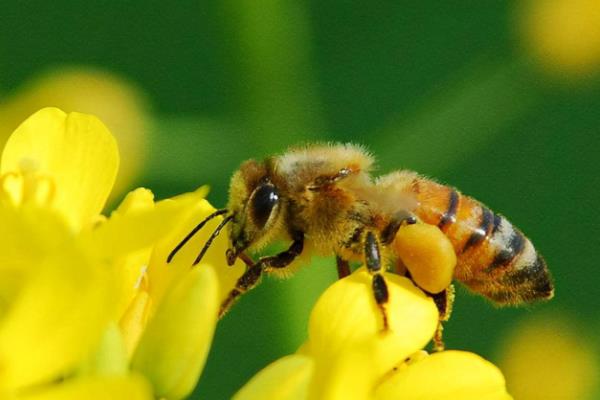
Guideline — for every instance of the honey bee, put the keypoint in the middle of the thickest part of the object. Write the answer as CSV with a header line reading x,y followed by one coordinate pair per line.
x,y
324,201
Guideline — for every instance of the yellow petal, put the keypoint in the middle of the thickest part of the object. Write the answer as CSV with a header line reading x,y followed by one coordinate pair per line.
x,y
56,319
138,224
133,321
348,375
127,238
346,317
446,375
286,378
75,151
174,347
137,199
26,236
130,235
110,357
132,387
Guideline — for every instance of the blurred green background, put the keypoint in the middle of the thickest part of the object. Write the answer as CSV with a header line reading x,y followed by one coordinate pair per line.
x,y
496,98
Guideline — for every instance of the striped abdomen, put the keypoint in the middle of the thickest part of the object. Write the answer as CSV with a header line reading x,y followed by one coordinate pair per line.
x,y
493,257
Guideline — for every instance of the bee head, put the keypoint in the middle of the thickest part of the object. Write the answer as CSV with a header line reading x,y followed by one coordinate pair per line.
x,y
255,207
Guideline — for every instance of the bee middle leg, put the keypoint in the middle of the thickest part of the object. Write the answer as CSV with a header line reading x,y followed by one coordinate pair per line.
x,y
250,278
379,285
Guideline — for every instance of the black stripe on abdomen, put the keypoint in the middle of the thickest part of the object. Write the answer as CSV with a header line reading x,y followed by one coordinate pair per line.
x,y
449,217
514,247
527,273
481,232
534,277
496,223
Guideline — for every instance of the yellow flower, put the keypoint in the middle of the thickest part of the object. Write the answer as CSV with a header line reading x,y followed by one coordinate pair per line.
x,y
55,174
547,357
348,356
120,105
171,319
563,34
75,298
67,163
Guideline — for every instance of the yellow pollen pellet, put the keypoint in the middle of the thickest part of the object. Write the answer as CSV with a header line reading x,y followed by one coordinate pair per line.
x,y
428,255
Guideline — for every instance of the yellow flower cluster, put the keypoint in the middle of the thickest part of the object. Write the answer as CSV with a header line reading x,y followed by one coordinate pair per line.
x,y
347,357
90,309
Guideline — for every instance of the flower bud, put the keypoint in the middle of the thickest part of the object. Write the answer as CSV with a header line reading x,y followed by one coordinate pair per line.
x,y
174,346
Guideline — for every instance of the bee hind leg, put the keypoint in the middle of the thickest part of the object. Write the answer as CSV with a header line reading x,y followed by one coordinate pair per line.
x,y
379,285
443,301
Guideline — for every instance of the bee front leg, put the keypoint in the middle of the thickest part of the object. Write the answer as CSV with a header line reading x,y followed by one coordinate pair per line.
x,y
250,278
379,285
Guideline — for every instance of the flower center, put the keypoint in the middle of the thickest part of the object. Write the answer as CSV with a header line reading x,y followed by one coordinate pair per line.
x,y
27,185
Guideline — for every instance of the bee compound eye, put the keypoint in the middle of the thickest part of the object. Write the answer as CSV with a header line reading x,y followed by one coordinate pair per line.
x,y
264,200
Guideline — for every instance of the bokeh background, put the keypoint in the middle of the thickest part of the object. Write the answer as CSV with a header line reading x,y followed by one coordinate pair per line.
x,y
500,99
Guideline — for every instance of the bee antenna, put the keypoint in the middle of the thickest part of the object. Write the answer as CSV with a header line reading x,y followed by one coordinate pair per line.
x,y
193,232
212,237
